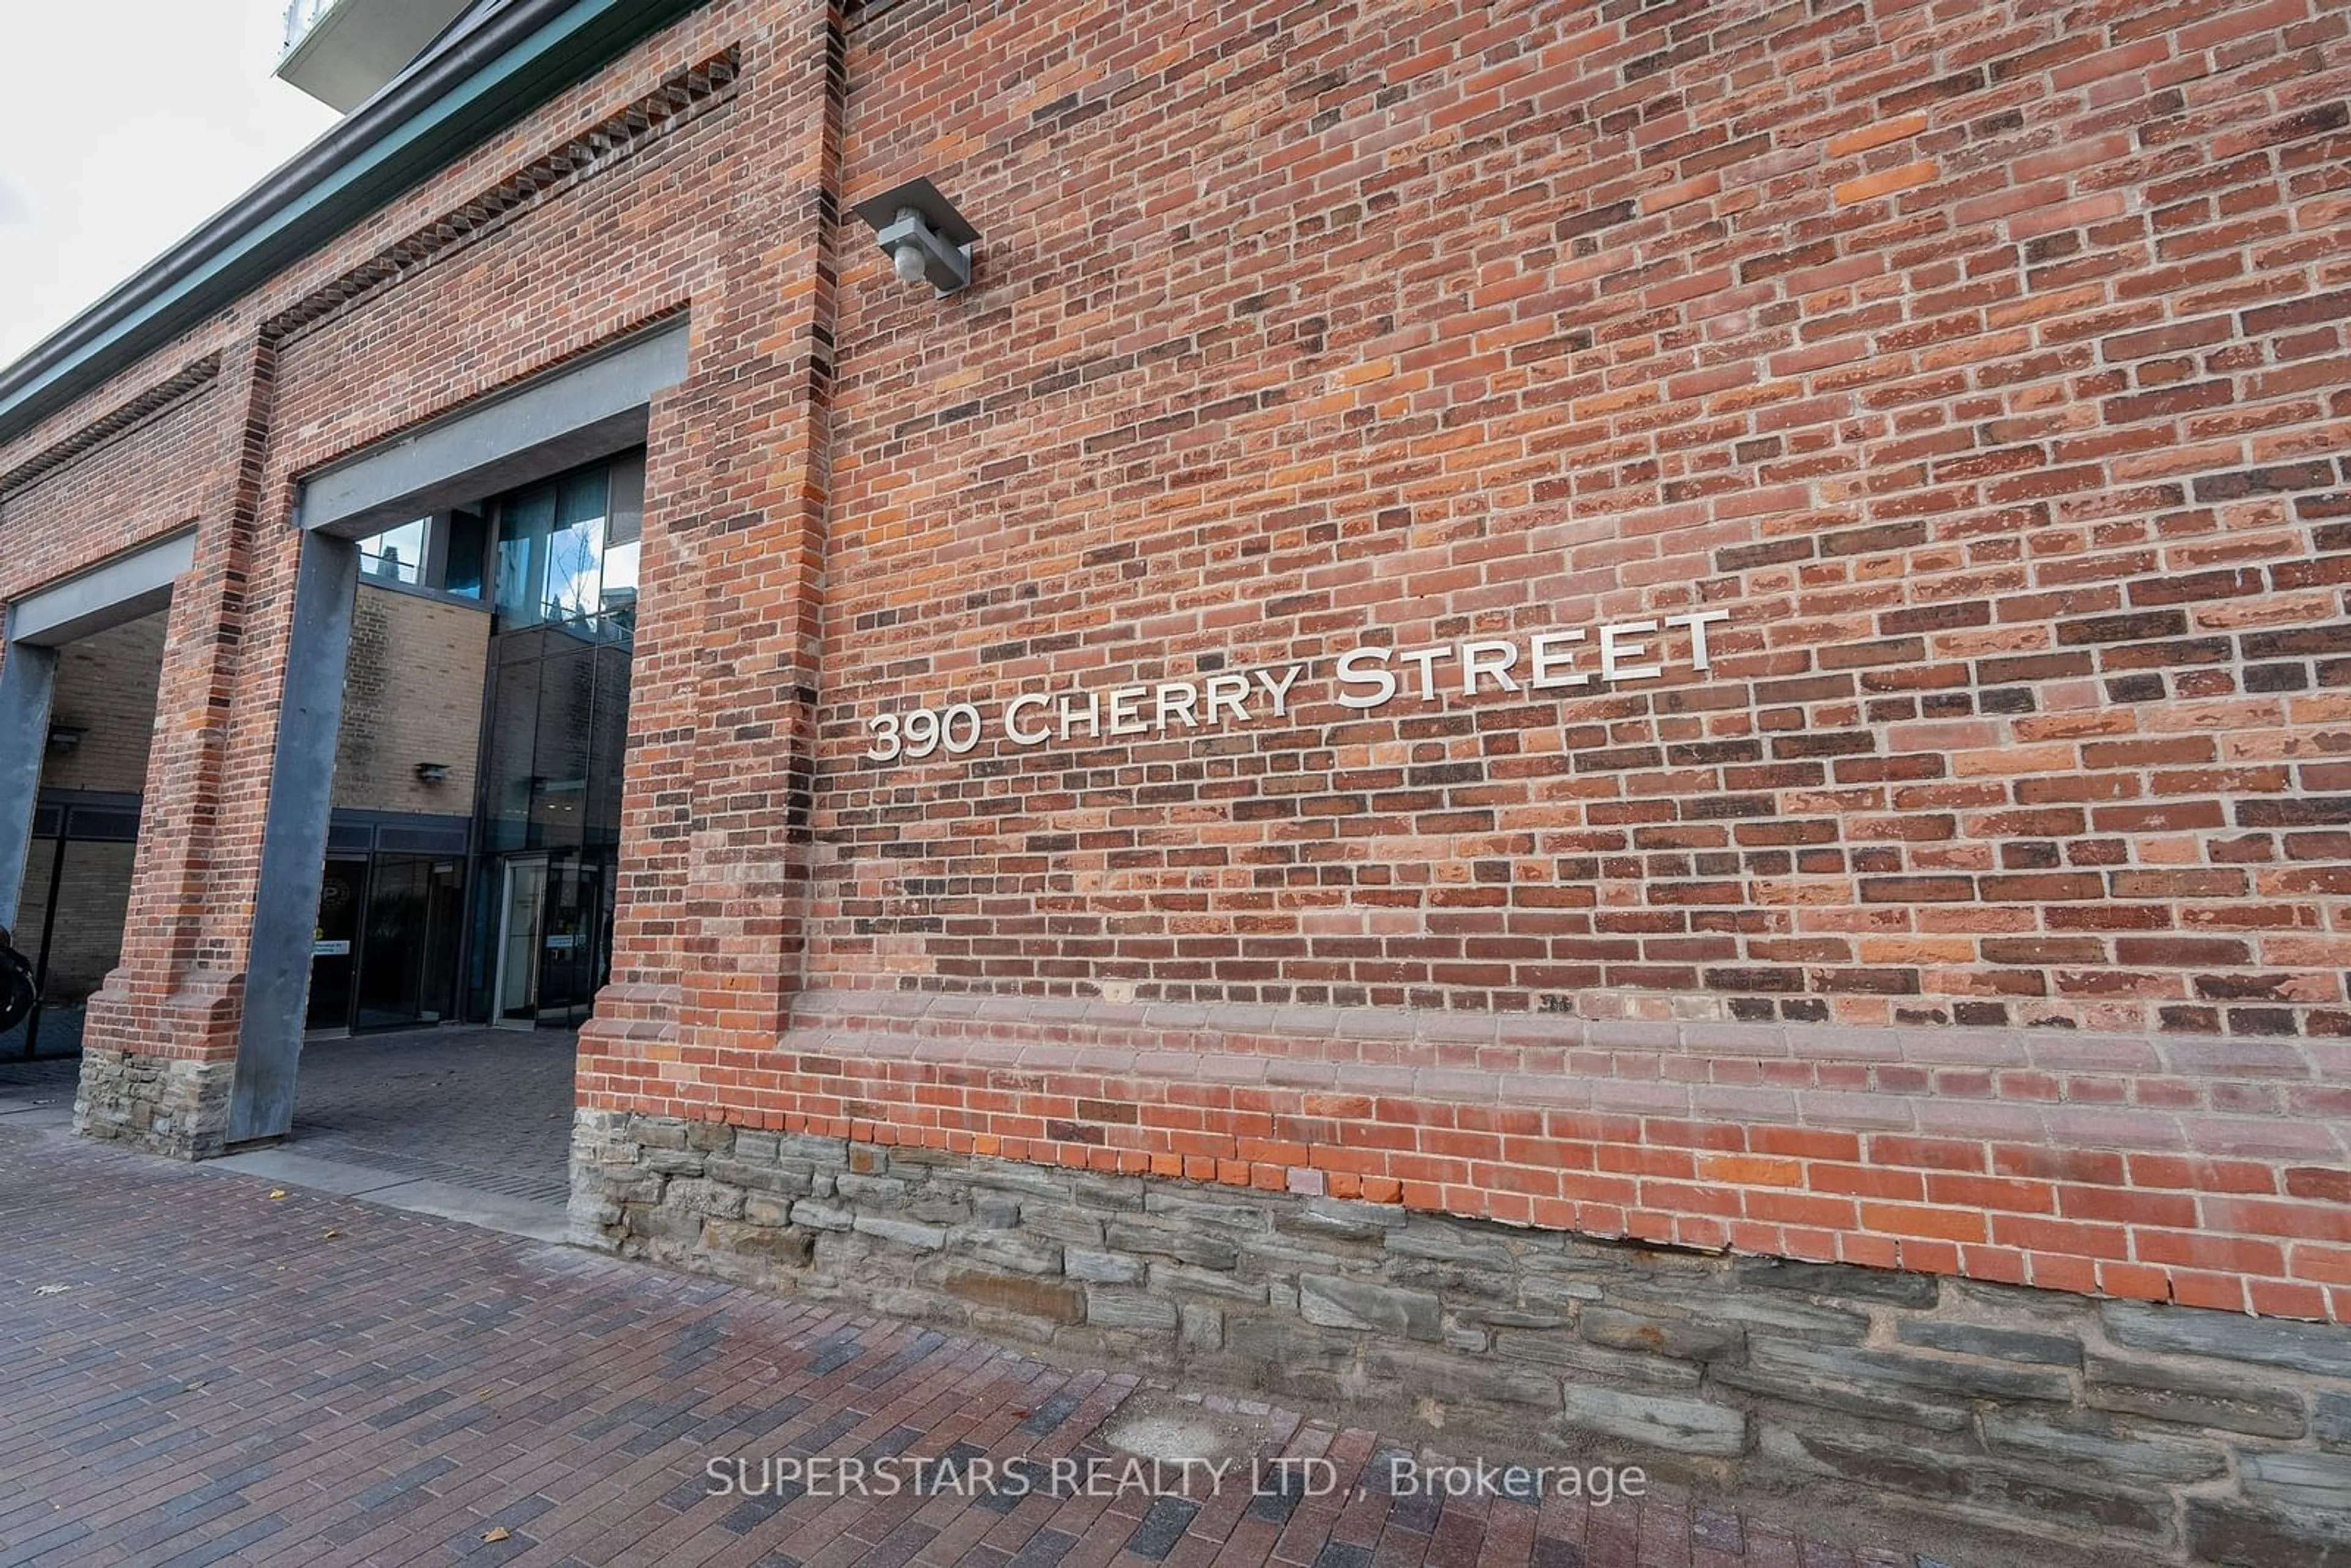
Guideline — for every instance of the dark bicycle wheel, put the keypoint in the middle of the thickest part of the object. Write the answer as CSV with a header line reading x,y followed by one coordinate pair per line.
x,y
17,991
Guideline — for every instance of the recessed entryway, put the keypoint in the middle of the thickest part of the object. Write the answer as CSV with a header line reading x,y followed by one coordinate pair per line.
x,y
84,828
467,1123
444,826
79,676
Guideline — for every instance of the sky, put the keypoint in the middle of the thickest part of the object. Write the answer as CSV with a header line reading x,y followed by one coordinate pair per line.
x,y
119,145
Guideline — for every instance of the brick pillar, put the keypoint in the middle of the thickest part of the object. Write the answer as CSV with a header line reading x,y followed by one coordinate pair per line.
x,y
160,1044
715,838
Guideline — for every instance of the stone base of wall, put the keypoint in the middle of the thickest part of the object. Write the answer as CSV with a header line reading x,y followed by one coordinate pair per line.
x,y
2181,1433
166,1105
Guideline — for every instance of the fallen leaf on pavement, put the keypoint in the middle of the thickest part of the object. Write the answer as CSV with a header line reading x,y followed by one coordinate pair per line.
x,y
51,1289
496,1533
277,1192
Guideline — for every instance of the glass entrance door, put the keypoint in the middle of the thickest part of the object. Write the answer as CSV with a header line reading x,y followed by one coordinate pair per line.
x,y
407,950
340,894
567,964
522,922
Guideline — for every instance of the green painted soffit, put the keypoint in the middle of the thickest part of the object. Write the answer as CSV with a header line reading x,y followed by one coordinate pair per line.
x,y
264,233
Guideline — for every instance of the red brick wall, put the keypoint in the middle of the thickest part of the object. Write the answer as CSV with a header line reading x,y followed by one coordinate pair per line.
x,y
141,486
2207,1172
1985,368
1982,364
1986,371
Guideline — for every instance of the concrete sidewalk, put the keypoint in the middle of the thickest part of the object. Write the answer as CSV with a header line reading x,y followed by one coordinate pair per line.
x,y
199,1366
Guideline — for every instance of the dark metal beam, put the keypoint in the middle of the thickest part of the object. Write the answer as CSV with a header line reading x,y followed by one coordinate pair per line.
x,y
28,678
294,840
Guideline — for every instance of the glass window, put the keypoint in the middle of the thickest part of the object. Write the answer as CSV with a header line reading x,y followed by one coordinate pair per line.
x,y
565,738
623,531
511,782
395,555
554,561
469,545
523,528
408,945
619,600
575,579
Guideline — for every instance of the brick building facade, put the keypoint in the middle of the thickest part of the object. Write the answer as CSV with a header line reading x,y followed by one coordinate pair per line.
x,y
105,702
412,695
1490,630
102,723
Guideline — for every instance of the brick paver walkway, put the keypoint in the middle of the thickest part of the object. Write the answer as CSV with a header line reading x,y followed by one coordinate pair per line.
x,y
192,1371
479,1108
49,1075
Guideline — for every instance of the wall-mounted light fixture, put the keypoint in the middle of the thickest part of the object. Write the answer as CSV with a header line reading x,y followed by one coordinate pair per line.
x,y
64,738
925,237
432,773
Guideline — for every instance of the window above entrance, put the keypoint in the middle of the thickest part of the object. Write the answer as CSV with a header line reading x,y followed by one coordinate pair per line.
x,y
567,549
440,554
561,553
395,555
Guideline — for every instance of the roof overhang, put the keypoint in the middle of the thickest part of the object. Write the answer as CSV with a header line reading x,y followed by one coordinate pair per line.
x,y
353,47
478,81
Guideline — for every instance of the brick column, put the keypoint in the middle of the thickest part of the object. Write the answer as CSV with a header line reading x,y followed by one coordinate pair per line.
x,y
715,834
160,1045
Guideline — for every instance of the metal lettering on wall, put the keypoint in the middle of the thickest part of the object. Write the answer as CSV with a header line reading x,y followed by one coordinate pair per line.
x,y
1365,678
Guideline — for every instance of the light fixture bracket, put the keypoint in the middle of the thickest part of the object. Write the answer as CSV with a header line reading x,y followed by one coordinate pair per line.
x,y
915,216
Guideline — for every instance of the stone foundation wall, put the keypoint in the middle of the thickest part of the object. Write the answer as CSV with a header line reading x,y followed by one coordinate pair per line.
x,y
166,1105
2209,1174
2188,1434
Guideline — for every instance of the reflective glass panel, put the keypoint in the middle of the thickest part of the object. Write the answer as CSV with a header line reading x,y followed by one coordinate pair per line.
x,y
566,718
523,530
408,940
395,555
620,603
510,785
468,544
574,587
